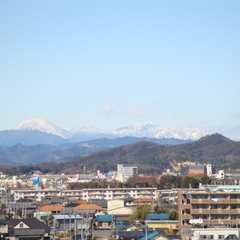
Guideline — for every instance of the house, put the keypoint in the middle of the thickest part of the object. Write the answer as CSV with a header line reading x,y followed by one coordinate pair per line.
x,y
64,223
33,229
117,207
69,208
3,228
105,221
54,209
161,222
88,209
133,235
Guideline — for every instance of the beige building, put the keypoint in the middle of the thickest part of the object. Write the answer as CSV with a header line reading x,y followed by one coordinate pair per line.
x,y
116,207
208,208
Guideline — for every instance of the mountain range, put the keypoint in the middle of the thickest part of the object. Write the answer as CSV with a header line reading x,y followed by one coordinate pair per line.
x,y
150,157
35,141
39,131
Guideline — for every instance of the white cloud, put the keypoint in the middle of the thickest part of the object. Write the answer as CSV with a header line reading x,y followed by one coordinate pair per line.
x,y
108,108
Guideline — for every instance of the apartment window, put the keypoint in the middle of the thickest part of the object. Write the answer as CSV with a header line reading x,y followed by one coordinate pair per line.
x,y
210,237
220,236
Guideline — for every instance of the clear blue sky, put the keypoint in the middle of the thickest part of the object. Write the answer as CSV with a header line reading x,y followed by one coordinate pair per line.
x,y
109,64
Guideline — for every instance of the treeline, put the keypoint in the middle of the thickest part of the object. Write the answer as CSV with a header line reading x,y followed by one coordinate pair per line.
x,y
163,182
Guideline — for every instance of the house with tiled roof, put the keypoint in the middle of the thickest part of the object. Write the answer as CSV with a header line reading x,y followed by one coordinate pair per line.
x,y
54,209
28,229
88,209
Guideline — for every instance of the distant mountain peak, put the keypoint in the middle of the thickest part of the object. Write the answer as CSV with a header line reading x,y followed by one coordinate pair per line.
x,y
84,128
154,131
42,126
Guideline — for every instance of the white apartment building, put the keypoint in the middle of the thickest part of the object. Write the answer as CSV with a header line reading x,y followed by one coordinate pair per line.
x,y
126,171
86,194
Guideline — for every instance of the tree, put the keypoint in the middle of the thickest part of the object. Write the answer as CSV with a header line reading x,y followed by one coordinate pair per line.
x,y
190,181
173,214
205,180
141,211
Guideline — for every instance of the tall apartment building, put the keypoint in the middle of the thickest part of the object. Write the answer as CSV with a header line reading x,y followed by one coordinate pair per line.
x,y
126,171
206,208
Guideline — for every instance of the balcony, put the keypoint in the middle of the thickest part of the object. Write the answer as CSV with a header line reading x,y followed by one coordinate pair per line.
x,y
186,216
186,206
234,201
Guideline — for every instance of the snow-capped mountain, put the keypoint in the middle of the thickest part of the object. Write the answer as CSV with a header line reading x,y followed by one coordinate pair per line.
x,y
154,131
42,126
84,128
136,130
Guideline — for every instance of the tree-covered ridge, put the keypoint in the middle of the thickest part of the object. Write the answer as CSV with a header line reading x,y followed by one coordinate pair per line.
x,y
152,158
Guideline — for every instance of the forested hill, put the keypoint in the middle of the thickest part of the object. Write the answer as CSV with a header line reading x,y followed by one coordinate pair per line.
x,y
153,158
215,149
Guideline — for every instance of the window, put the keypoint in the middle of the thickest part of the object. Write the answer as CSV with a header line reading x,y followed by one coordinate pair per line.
x,y
220,236
21,225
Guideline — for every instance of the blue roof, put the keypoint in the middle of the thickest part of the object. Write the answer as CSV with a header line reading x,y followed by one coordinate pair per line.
x,y
105,218
162,216
149,236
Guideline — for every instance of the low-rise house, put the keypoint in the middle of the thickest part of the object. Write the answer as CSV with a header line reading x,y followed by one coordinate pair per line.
x,y
117,207
161,222
69,208
54,209
105,221
3,228
33,229
89,210
64,223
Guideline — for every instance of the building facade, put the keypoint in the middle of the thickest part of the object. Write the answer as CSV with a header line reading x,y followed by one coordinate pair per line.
x,y
87,194
208,208
126,171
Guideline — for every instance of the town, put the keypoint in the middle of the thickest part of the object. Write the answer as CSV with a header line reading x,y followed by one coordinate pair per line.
x,y
51,206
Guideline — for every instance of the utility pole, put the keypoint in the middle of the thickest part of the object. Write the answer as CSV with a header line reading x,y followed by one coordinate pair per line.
x,y
64,226
75,228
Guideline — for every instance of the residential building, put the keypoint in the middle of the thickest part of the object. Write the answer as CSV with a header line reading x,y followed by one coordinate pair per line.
x,y
117,207
88,209
217,206
125,171
216,233
161,222
86,193
28,229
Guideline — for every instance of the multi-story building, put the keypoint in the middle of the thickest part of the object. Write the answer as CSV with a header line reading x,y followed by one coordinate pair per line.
x,y
219,206
126,171
86,193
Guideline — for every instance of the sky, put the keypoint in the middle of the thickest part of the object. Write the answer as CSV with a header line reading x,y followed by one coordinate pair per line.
x,y
110,64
